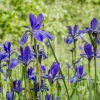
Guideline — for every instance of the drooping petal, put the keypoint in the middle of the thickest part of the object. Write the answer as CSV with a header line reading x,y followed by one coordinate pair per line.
x,y
32,20
69,29
47,35
42,68
9,95
75,29
3,56
13,63
69,40
77,61
54,69
83,31
93,24
73,79
23,39
38,35
40,19
26,54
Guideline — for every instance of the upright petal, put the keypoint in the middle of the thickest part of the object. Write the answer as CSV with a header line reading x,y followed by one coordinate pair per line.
x,y
81,68
9,95
75,29
23,39
54,69
69,29
32,20
42,68
26,54
40,19
93,24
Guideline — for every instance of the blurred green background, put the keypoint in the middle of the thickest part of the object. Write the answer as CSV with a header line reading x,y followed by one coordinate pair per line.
x,y
58,15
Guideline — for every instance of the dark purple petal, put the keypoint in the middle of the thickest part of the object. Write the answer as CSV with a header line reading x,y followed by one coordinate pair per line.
x,y
69,40
47,97
26,54
75,29
40,19
88,49
32,20
54,69
38,35
47,35
23,39
81,68
69,29
3,56
42,68
93,24
13,63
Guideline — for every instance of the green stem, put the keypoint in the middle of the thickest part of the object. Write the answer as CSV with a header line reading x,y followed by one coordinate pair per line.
x,y
60,69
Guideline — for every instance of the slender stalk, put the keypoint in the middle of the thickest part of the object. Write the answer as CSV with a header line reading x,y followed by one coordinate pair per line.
x,y
74,51
60,69
90,88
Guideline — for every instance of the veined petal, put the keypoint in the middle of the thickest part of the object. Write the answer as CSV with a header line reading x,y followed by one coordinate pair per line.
x,y
23,39
38,35
69,29
75,29
69,40
32,20
47,35
13,63
93,24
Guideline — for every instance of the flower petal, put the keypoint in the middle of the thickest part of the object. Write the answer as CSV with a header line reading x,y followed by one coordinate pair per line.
x,y
93,24
69,40
40,19
75,29
38,35
32,20
69,29
23,39
13,63
42,68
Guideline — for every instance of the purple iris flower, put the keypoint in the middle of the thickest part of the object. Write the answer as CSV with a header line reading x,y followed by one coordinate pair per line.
x,y
17,86
24,57
79,74
72,34
52,73
9,95
36,24
89,54
30,74
93,29
48,97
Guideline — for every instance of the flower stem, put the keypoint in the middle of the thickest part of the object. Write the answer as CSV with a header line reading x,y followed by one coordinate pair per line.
x,y
60,69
